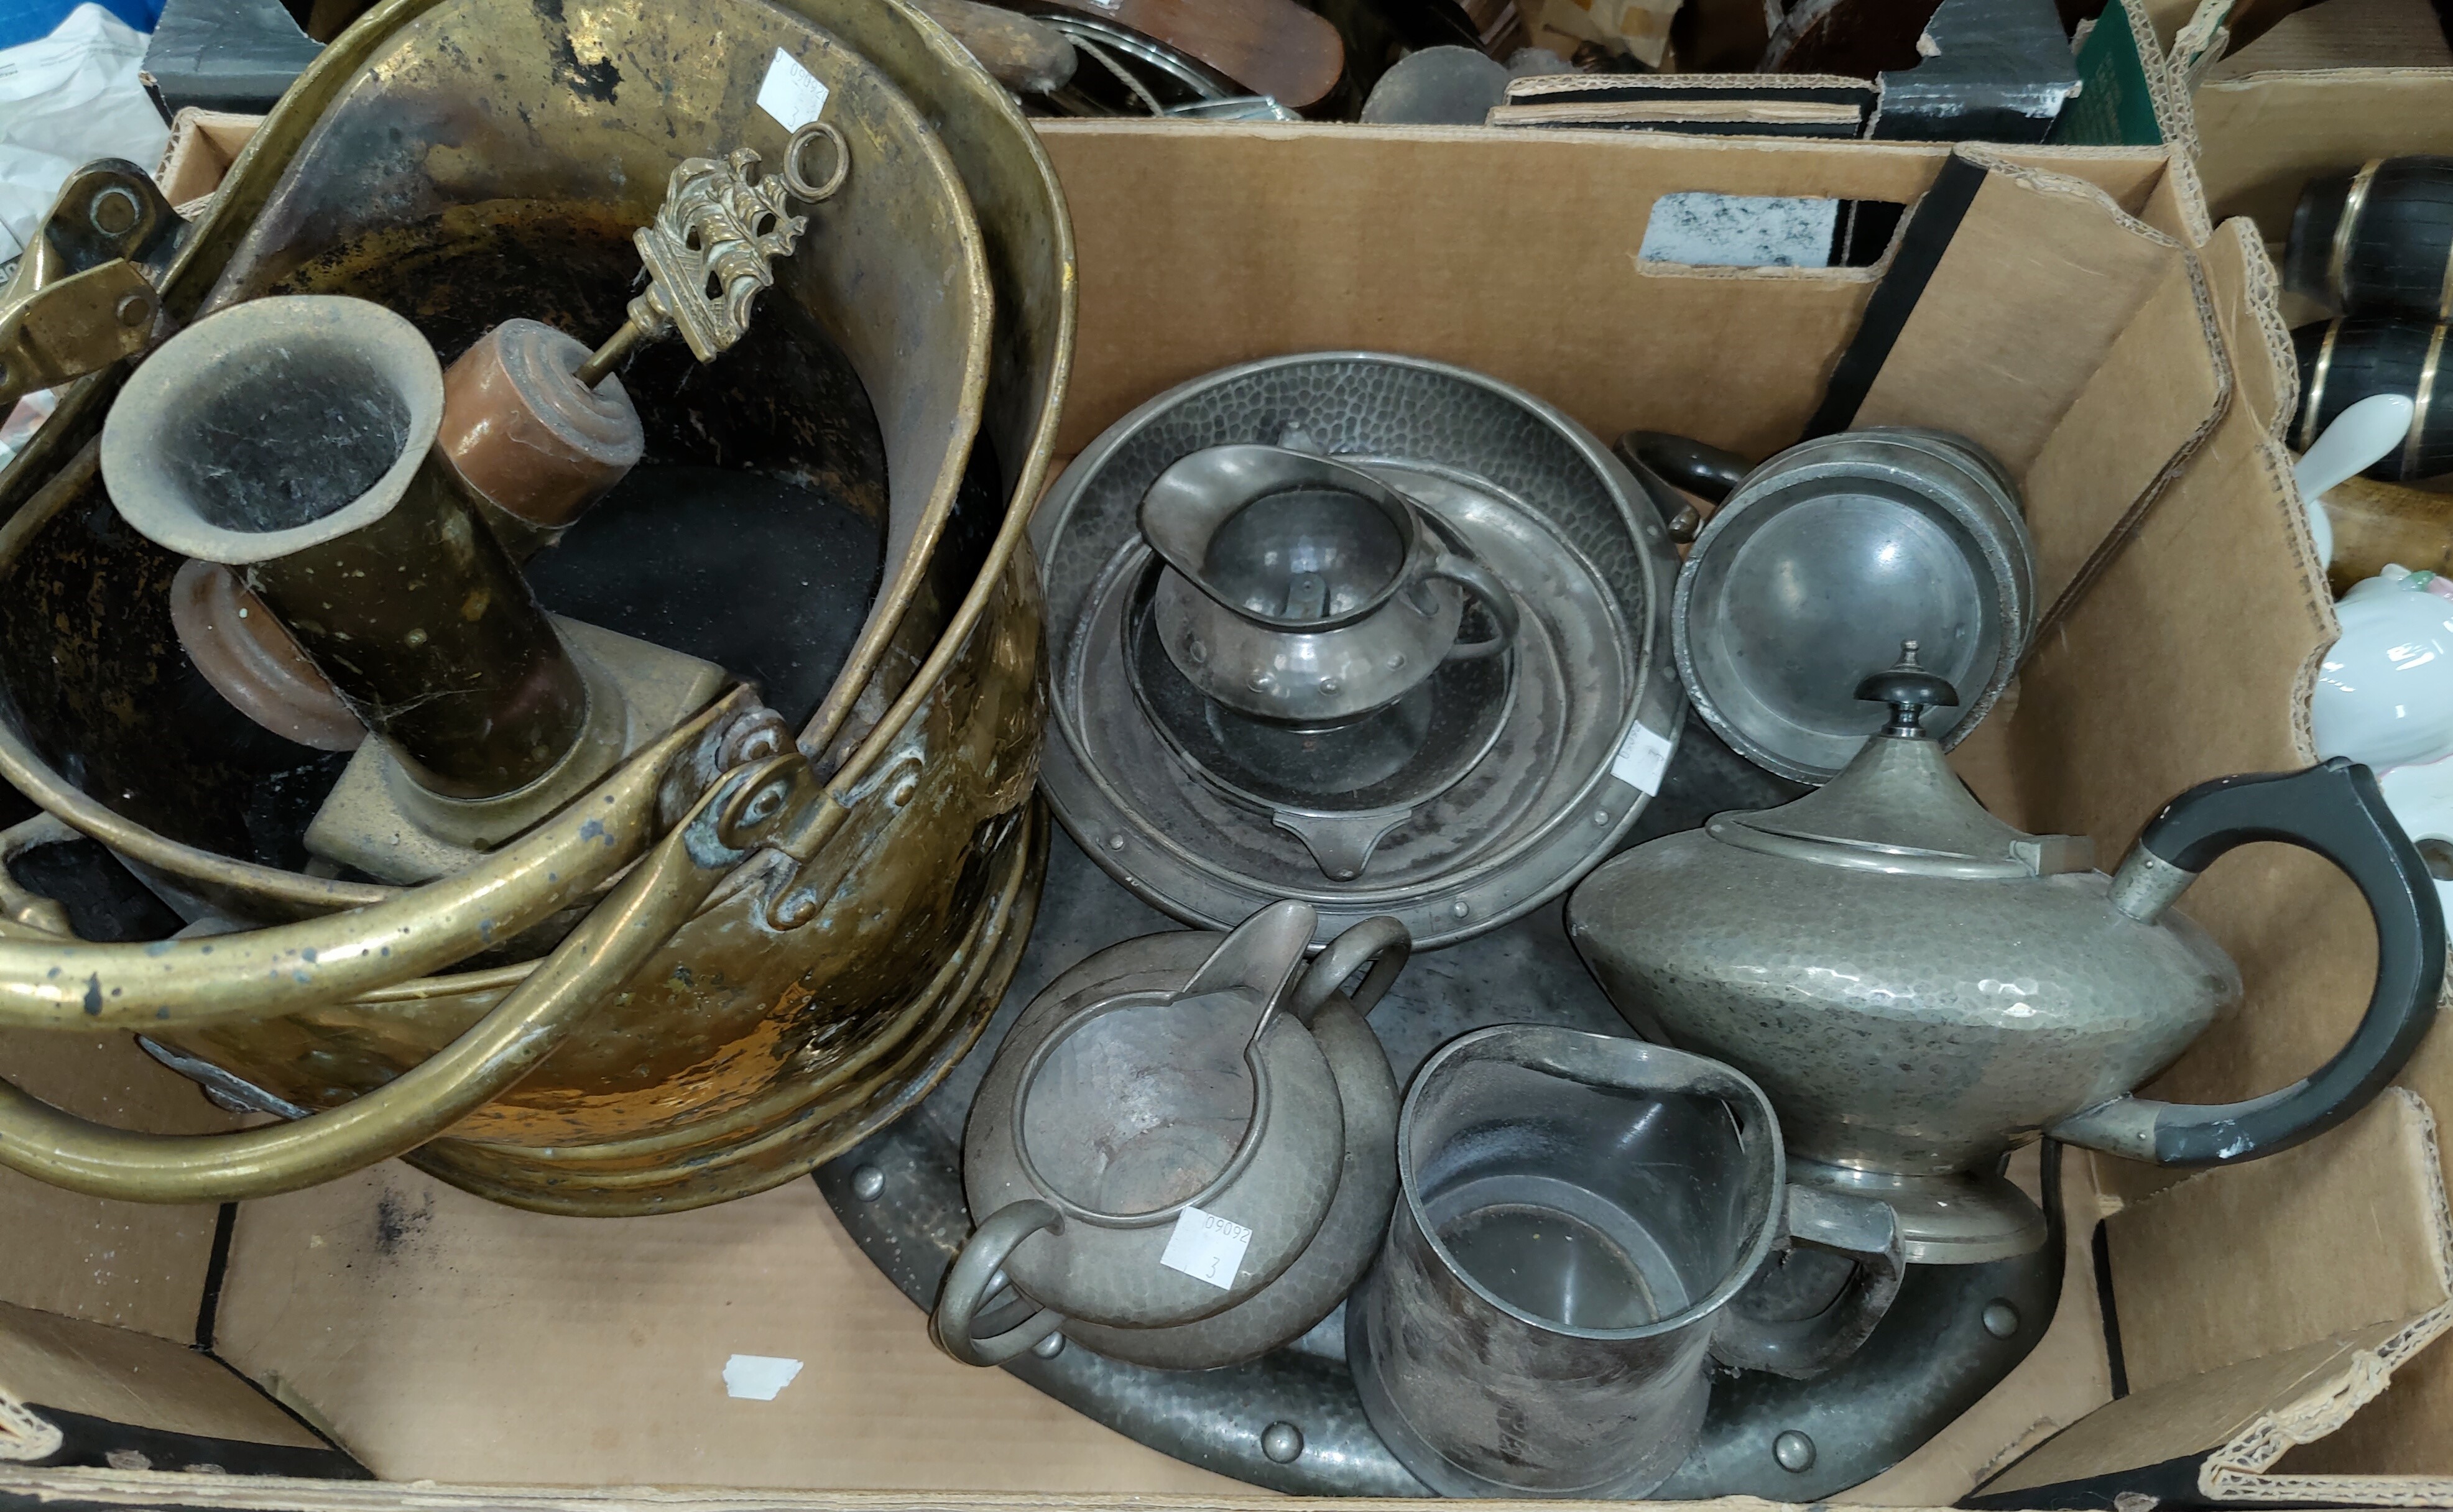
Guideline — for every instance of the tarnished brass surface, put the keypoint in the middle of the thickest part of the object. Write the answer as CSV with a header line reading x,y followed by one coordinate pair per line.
x,y
496,1053
82,296
478,162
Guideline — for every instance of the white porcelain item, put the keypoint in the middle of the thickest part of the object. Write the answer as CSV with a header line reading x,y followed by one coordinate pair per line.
x,y
2384,691
2359,436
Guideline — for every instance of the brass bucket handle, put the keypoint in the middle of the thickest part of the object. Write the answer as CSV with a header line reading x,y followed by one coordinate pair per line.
x,y
171,985
744,810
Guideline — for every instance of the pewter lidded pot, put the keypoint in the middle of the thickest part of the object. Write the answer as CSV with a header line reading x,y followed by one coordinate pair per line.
x,y
1920,987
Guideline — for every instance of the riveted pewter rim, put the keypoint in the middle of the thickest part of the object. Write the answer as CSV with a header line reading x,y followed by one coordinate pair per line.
x,y
135,460
1523,1045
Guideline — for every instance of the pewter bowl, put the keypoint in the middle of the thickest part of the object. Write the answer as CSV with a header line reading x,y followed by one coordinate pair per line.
x,y
1534,497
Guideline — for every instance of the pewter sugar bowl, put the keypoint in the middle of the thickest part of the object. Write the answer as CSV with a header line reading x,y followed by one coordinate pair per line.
x,y
1920,987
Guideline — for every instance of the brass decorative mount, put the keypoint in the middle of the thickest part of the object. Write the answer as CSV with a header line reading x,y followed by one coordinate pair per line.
x,y
707,252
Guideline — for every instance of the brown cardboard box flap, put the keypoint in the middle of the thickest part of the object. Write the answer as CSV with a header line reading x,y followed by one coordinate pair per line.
x,y
2247,292
2240,1351
2261,136
130,1264
2345,35
59,1374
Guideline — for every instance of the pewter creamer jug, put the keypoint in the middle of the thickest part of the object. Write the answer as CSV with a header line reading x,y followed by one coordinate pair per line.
x,y
1920,989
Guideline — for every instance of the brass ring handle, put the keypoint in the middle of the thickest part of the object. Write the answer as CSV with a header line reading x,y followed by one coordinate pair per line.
x,y
613,942
170,984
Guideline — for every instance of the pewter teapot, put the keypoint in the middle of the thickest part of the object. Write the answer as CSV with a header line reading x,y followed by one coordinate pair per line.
x,y
1920,987
1303,591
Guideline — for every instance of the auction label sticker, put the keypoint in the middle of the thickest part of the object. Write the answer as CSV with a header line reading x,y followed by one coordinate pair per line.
x,y
1642,758
792,93
1207,1247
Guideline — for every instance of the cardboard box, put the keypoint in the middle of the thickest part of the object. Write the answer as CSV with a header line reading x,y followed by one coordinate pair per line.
x,y
2064,307
203,146
2319,91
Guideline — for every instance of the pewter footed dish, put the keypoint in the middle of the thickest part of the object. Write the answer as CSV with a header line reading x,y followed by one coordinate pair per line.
x,y
1591,700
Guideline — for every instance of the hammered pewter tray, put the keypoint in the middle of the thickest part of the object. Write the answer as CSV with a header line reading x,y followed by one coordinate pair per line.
x,y
1535,498
1290,1421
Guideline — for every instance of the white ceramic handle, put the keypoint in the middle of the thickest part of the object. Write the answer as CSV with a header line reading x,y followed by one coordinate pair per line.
x,y
2359,437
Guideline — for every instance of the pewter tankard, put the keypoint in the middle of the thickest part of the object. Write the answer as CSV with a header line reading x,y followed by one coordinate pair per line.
x,y
1577,1213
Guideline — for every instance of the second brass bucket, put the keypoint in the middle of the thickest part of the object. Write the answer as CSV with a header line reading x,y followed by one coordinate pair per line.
x,y
808,946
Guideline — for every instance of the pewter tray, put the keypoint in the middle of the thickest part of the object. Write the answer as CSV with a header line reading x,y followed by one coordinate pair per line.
x,y
900,1196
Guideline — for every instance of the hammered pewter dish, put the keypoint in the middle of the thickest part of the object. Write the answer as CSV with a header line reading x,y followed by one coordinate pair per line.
x,y
1537,499
1822,561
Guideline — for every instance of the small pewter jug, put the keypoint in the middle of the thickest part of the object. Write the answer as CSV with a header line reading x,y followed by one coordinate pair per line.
x,y
1303,591
1153,1146
1921,989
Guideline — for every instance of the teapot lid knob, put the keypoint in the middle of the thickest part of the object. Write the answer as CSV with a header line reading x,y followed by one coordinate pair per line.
x,y
1910,689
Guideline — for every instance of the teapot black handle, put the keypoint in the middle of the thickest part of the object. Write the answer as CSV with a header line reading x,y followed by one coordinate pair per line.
x,y
1709,473
2336,810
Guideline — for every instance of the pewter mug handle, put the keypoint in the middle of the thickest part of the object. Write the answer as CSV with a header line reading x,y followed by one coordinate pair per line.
x,y
1383,942
2336,810
966,1288
1484,585
1861,1228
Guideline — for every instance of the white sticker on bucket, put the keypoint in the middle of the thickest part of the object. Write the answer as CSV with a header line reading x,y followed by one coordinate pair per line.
x,y
1207,1247
792,93
1641,760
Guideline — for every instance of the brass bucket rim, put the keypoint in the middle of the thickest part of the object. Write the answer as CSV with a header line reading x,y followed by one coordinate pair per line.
x,y
189,283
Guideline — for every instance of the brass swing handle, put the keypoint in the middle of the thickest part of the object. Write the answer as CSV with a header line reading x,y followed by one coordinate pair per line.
x,y
167,986
82,295
745,809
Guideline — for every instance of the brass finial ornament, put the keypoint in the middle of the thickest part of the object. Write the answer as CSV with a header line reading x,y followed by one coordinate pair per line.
x,y
708,250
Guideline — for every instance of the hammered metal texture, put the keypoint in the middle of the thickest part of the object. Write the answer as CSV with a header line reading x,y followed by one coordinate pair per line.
x,y
1536,499
1916,1024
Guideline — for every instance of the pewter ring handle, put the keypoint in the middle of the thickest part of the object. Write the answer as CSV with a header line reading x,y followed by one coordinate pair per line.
x,y
1863,1228
799,182
966,1288
1484,585
1384,943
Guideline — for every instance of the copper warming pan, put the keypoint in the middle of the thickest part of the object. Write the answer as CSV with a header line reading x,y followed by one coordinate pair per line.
x,y
738,954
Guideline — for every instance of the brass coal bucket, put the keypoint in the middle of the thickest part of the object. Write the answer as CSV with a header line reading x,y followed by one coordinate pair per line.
x,y
737,954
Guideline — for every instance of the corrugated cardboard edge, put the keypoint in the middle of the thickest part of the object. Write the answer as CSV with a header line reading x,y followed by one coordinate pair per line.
x,y
230,1493
2218,354
2285,1399
2236,1471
